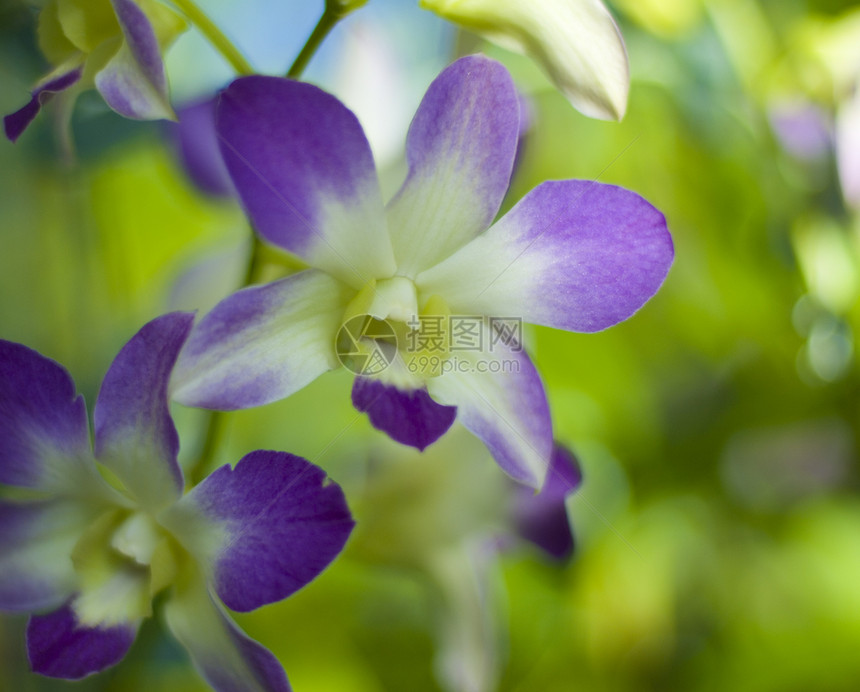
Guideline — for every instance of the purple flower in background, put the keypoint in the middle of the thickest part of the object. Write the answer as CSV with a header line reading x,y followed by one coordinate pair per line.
x,y
447,515
542,518
112,45
88,556
803,129
572,254
196,143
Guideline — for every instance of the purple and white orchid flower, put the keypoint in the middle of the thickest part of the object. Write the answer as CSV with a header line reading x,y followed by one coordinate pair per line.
x,y
97,543
575,255
113,45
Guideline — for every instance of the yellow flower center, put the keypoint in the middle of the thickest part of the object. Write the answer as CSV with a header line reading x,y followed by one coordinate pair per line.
x,y
122,560
383,330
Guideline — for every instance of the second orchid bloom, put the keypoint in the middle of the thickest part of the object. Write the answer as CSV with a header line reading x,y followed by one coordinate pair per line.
x,y
575,255
108,528
113,45
576,43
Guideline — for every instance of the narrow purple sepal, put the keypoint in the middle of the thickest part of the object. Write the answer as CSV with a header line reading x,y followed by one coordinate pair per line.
x,y
267,670
196,142
542,518
473,103
134,434
408,417
135,88
60,647
226,657
141,39
505,406
15,123
43,422
460,148
284,524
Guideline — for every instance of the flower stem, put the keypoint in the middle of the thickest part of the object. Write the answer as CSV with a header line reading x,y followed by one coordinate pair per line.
x,y
216,425
335,10
215,36
215,433
255,261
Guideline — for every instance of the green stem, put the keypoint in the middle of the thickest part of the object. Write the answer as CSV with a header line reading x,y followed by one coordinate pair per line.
x,y
217,423
255,261
214,35
332,14
63,125
215,433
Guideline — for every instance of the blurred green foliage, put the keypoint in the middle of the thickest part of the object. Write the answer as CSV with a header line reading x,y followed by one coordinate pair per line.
x,y
718,527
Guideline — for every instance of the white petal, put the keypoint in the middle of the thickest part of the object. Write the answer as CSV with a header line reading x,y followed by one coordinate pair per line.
x,y
848,148
500,398
223,654
262,343
576,42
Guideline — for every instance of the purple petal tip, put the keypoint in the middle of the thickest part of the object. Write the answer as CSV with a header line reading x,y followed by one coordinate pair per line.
x,y
15,123
542,519
58,646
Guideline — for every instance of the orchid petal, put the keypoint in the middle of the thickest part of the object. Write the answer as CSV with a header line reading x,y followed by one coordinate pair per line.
x,y
227,658
133,82
36,543
15,123
262,343
461,148
575,41
304,171
61,647
134,433
263,529
409,417
542,518
500,398
44,440
572,254
466,576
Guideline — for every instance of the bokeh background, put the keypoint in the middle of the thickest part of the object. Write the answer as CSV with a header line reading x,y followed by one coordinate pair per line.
x,y
718,525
